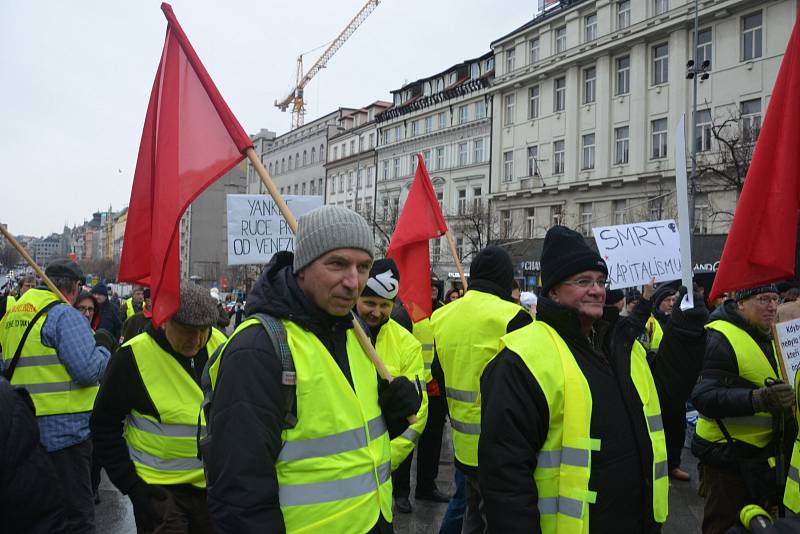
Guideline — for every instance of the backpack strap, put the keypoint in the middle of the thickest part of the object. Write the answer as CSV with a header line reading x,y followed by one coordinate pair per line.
x,y
280,343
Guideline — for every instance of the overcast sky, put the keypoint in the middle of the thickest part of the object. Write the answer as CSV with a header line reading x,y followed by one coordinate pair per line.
x,y
75,78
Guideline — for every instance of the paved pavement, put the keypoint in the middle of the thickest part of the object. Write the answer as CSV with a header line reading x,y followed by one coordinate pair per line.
x,y
114,513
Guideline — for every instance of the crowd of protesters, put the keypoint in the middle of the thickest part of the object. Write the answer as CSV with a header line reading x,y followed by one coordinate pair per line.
x,y
566,405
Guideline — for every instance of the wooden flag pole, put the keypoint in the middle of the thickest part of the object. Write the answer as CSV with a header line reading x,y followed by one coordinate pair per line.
x,y
27,257
460,268
366,344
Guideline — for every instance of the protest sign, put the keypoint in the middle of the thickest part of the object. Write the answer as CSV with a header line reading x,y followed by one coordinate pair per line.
x,y
638,252
256,229
787,339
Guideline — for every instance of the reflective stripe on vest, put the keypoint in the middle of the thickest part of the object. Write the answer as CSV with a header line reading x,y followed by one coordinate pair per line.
x,y
563,465
334,467
39,369
423,331
754,367
164,450
463,354
402,353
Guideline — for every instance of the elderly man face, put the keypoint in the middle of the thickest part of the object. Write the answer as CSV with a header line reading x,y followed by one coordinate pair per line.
x,y
335,280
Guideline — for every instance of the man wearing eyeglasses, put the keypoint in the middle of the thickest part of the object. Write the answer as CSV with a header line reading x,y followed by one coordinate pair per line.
x,y
741,401
48,348
571,431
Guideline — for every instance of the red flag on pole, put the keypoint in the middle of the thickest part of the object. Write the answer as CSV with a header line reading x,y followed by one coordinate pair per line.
x,y
420,221
190,139
761,243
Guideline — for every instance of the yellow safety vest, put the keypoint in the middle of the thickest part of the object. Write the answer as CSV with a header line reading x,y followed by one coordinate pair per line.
x,y
753,367
39,369
654,334
467,334
791,494
164,450
129,311
402,354
564,463
423,331
334,470
10,301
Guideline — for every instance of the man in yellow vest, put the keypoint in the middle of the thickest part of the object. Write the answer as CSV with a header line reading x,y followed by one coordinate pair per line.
x,y
466,336
49,349
305,450
402,354
27,282
741,399
145,418
571,434
133,304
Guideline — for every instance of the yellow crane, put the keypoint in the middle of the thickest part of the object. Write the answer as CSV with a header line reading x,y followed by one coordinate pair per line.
x,y
295,97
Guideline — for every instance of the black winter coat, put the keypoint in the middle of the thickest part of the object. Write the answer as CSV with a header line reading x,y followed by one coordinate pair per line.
x,y
109,319
721,392
248,407
515,421
31,501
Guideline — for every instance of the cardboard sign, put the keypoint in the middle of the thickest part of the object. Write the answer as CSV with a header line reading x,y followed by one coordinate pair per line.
x,y
787,339
256,228
635,253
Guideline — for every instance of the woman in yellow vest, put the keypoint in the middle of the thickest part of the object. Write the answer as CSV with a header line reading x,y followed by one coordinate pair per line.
x,y
571,434
402,354
741,399
318,459
144,423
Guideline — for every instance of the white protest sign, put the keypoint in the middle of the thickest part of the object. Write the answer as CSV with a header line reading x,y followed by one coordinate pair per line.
x,y
256,229
787,337
635,253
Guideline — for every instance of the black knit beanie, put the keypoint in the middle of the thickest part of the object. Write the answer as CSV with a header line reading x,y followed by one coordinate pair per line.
x,y
565,253
383,281
493,264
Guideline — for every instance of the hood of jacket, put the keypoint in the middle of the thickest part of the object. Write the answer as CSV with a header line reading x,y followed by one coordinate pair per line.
x,y
729,312
277,293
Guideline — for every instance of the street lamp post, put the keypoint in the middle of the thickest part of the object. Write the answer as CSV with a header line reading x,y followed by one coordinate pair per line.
x,y
693,71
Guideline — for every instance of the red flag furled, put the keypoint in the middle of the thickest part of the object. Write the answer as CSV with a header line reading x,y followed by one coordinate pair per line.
x,y
190,139
420,221
761,243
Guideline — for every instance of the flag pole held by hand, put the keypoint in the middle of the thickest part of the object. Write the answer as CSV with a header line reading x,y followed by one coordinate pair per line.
x,y
27,257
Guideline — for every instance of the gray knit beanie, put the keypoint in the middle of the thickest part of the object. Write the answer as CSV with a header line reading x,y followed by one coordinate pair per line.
x,y
329,228
198,307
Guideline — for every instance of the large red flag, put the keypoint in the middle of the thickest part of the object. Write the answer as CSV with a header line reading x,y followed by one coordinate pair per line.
x,y
420,221
190,139
761,243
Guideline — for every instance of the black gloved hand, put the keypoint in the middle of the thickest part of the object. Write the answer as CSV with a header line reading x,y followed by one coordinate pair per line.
x,y
142,496
103,338
693,318
773,398
399,398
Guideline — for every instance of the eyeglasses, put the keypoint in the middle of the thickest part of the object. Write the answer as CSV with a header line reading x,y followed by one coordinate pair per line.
x,y
587,283
84,309
766,300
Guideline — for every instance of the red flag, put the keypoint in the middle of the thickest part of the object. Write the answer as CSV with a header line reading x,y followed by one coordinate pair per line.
x,y
420,221
761,243
190,139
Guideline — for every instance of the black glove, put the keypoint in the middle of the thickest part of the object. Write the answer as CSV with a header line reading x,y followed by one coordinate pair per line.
x,y
398,399
693,318
773,398
142,496
103,338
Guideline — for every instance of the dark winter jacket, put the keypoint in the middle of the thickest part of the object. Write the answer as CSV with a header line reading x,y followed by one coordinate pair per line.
x,y
248,407
109,319
721,392
515,421
30,492
121,391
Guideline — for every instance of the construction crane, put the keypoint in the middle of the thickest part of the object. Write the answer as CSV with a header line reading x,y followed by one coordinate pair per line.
x,y
295,97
